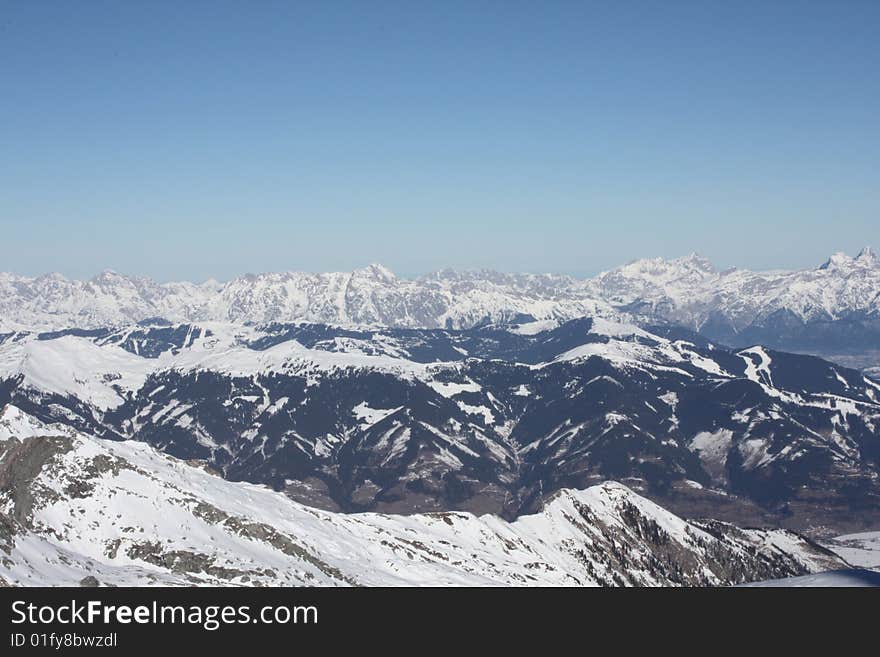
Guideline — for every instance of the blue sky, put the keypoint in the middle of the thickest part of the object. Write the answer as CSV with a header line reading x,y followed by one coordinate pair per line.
x,y
208,139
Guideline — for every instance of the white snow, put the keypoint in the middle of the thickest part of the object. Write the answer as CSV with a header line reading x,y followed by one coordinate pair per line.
x,y
76,366
451,388
832,579
861,549
15,423
713,447
369,416
759,371
481,411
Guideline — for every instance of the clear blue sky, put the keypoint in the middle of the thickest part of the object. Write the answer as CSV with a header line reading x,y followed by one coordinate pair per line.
x,y
196,139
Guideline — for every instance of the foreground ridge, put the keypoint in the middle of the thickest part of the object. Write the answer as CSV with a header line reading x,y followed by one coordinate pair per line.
x,y
81,509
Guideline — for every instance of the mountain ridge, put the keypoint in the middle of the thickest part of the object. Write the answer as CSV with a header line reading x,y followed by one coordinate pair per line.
x,y
686,290
74,508
408,420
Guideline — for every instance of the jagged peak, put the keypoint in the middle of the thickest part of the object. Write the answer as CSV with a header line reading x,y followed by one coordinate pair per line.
x,y
836,259
867,255
451,272
609,486
53,276
689,263
211,284
111,277
694,259
108,274
841,259
376,271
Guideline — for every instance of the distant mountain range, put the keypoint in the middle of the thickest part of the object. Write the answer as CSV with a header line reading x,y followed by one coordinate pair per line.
x,y
80,510
832,310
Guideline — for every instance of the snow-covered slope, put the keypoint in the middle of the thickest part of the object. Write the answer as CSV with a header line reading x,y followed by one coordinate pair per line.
x,y
104,372
848,578
73,506
861,549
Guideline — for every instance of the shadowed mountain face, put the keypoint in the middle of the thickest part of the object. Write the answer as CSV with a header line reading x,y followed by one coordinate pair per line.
x,y
486,419
78,509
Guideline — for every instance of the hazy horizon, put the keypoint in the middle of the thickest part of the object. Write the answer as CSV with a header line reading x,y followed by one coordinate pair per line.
x,y
419,274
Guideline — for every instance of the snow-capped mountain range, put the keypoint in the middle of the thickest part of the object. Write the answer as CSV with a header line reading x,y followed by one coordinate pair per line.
x,y
485,419
831,310
687,290
690,291
77,509
372,296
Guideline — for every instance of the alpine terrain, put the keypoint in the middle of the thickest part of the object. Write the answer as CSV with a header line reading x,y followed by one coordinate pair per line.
x,y
460,428
485,420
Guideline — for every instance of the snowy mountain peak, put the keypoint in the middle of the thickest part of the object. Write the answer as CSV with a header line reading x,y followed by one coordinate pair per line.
x,y
867,256
376,272
51,276
658,270
837,260
112,277
696,261
843,261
